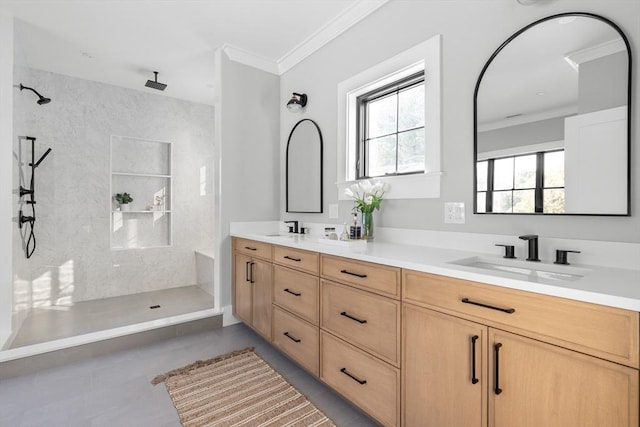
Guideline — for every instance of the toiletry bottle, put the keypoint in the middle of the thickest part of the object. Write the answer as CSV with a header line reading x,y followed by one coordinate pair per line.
x,y
355,231
345,233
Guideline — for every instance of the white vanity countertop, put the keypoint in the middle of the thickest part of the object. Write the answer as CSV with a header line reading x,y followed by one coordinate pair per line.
x,y
614,287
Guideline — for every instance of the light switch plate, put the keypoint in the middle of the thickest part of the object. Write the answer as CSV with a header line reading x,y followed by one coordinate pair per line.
x,y
333,212
454,213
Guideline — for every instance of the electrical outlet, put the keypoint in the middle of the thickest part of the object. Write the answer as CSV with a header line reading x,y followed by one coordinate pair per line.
x,y
333,212
454,213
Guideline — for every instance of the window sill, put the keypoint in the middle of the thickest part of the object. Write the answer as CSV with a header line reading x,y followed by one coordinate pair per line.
x,y
418,186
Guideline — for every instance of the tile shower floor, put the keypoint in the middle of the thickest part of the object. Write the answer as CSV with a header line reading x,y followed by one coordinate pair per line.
x,y
56,322
115,390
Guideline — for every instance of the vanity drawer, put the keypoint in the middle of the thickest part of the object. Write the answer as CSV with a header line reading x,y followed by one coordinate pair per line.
x,y
297,338
252,248
366,381
605,332
362,318
297,292
296,258
377,278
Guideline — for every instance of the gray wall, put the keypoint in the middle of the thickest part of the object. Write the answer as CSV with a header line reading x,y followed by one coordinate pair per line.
x,y
73,260
602,83
525,134
471,31
247,134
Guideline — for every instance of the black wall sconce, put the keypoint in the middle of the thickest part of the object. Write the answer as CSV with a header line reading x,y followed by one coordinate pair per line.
x,y
297,102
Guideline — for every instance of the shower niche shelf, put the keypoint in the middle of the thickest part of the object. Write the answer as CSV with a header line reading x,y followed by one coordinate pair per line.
x,y
142,168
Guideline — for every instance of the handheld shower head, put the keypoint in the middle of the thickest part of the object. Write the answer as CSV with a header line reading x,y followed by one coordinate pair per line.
x,y
155,84
42,100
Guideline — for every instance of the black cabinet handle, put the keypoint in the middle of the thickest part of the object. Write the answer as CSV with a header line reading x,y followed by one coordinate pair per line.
x,y
250,248
353,377
362,276
504,310
246,271
474,379
292,259
294,339
251,271
292,293
496,351
345,314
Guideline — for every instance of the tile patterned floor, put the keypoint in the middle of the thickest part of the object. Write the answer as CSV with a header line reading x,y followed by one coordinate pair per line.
x,y
115,390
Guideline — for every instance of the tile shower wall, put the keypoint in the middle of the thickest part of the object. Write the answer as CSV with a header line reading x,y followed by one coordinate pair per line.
x,y
73,260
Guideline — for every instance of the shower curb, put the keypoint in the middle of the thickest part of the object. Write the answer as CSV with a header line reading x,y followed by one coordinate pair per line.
x,y
34,358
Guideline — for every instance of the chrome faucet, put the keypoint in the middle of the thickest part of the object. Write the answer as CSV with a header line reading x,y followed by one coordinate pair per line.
x,y
532,239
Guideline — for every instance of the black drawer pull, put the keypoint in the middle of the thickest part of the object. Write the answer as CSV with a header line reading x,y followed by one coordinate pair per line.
x,y
246,271
496,350
250,248
504,310
292,293
353,377
474,379
292,259
286,334
345,314
362,276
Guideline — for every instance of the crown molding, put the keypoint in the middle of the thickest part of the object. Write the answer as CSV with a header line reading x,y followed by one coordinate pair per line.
x,y
594,52
338,25
251,59
341,23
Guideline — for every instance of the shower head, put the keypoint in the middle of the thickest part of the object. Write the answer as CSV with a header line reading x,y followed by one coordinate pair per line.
x,y
155,84
42,100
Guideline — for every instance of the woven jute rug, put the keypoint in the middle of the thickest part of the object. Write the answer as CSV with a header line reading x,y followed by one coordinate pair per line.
x,y
238,389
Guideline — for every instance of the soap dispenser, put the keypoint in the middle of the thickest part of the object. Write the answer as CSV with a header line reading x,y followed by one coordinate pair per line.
x,y
355,230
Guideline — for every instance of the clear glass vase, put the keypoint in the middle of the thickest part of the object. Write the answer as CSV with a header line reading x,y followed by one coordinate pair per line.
x,y
367,225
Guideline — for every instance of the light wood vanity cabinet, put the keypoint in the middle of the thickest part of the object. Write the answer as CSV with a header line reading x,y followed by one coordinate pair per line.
x,y
297,338
449,352
521,380
252,292
296,290
360,334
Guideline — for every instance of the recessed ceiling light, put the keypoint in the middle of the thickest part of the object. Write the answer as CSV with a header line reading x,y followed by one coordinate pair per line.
x,y
540,93
566,20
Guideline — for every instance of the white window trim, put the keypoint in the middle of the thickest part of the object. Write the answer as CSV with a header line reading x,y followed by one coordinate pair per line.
x,y
425,56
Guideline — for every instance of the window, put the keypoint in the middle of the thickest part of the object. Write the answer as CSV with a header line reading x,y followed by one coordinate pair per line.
x,y
391,129
381,132
526,183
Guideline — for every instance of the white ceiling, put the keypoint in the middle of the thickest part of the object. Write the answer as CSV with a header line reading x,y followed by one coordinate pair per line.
x,y
531,79
121,42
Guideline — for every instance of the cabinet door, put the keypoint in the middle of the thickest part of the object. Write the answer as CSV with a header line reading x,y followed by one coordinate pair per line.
x,y
536,384
242,301
444,370
260,275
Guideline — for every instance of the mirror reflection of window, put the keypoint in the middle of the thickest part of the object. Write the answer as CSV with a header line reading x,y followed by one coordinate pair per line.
x,y
530,183
559,88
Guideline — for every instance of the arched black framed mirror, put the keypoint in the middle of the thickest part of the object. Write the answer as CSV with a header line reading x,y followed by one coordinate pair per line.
x,y
552,109
304,168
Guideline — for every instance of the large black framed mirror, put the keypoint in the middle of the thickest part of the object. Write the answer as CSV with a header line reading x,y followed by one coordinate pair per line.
x,y
304,168
552,110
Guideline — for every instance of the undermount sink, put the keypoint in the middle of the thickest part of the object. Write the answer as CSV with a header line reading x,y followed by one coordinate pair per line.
x,y
524,269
